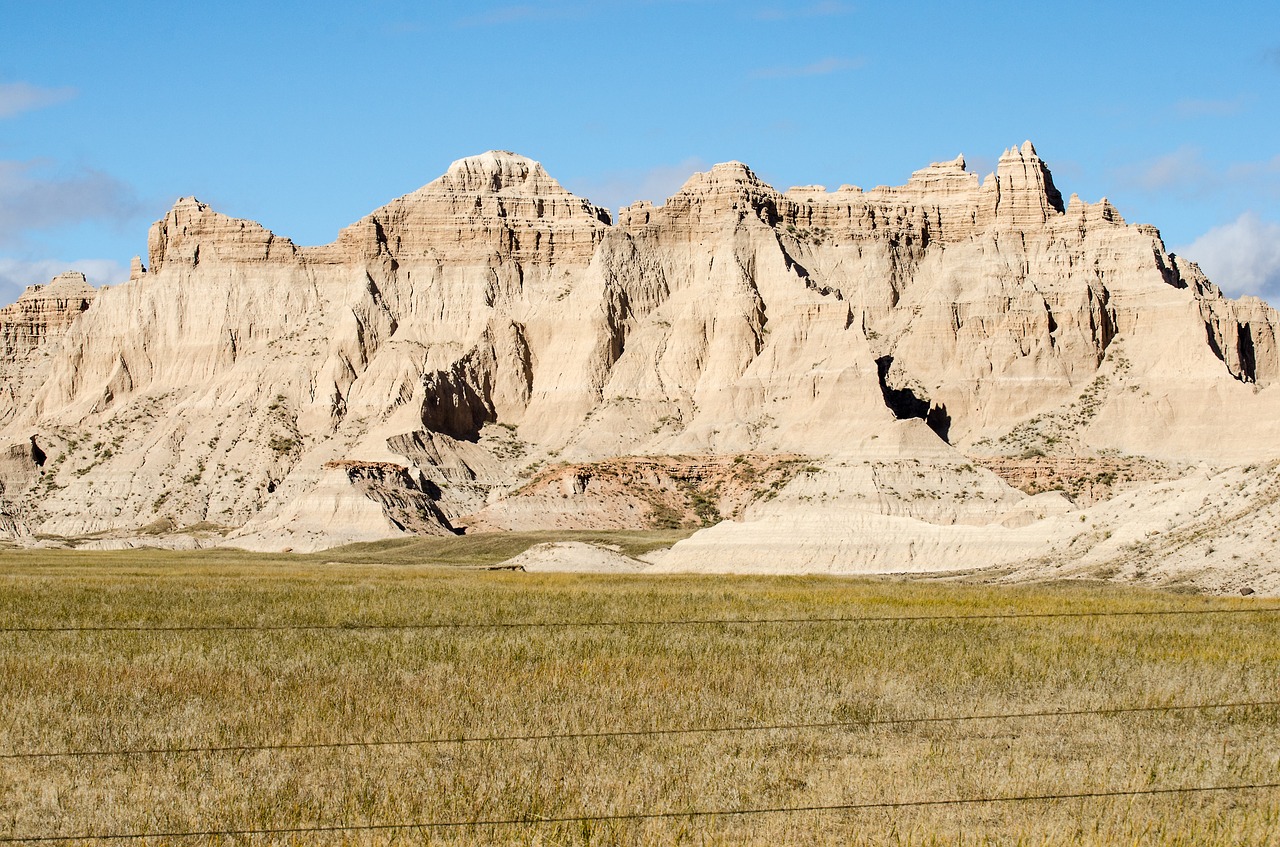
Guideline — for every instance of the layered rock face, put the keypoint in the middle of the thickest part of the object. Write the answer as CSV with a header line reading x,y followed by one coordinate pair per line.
x,y
492,323
41,316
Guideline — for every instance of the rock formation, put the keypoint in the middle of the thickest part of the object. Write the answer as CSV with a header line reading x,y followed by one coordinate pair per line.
x,y
40,316
458,354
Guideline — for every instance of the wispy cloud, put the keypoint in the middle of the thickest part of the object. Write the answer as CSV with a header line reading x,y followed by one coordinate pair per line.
x,y
1183,172
1192,108
616,189
821,67
19,97
33,198
1265,173
812,10
17,274
1242,257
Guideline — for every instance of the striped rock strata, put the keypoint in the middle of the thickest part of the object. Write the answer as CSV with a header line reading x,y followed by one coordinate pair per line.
x,y
456,341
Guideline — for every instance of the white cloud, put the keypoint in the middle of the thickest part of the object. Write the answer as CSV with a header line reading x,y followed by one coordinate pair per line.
x,y
616,189
18,97
831,65
17,274
31,198
1242,257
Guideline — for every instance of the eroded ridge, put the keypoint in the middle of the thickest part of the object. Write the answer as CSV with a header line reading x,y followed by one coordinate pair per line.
x,y
492,325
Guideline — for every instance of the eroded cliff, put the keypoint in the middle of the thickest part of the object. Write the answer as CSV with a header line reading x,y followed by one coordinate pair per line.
x,y
478,331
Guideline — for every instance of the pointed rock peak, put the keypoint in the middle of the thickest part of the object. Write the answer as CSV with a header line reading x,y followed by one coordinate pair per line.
x,y
1022,170
1025,153
959,162
191,227
1109,212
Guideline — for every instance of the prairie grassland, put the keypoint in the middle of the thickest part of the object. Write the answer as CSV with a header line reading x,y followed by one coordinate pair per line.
x,y
111,690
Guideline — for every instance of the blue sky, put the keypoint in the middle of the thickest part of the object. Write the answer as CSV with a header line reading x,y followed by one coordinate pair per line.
x,y
306,116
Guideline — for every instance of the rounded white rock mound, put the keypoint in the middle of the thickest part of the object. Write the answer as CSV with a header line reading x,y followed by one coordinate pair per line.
x,y
573,557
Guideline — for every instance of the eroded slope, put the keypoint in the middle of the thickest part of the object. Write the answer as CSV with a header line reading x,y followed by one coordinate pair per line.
x,y
437,363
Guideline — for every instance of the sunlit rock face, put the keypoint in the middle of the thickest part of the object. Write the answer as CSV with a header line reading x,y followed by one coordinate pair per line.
x,y
426,364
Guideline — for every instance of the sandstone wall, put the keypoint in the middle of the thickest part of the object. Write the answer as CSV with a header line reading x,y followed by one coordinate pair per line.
x,y
491,322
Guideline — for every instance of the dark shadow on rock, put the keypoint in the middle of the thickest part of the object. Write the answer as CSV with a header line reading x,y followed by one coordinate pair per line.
x,y
905,403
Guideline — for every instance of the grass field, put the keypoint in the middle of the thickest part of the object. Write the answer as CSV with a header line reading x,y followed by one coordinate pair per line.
x,y
112,690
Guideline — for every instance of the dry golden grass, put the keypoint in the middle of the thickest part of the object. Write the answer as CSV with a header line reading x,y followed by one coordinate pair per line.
x,y
110,690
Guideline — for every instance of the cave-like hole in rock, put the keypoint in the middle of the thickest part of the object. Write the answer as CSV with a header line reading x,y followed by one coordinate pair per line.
x,y
905,403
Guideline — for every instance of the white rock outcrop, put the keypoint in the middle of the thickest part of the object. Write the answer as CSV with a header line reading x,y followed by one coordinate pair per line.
x,y
425,365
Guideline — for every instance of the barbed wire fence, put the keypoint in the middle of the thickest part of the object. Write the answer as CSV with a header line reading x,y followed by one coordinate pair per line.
x,y
602,734
641,816
359,626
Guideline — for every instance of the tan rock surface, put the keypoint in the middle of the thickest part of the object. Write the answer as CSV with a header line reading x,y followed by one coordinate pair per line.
x,y
40,317
42,313
1084,479
573,557
660,492
421,369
